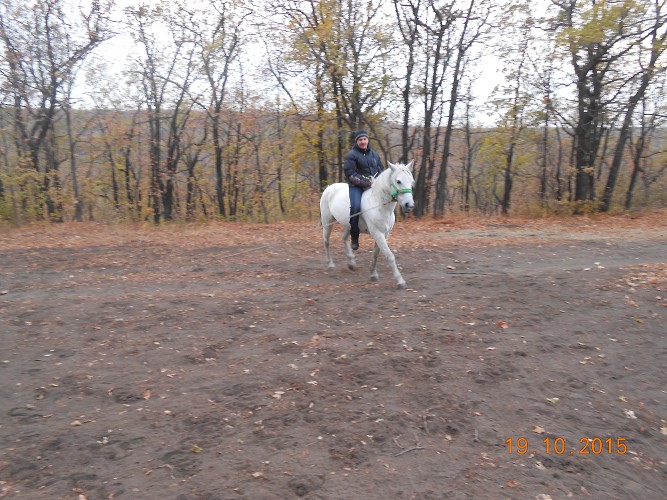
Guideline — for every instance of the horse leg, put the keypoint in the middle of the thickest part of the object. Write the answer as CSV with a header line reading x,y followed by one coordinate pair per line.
x,y
381,242
374,263
326,234
351,261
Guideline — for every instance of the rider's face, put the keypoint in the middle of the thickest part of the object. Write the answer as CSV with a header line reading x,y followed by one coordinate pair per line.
x,y
362,142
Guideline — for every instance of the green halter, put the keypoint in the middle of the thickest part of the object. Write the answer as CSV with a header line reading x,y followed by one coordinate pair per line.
x,y
396,191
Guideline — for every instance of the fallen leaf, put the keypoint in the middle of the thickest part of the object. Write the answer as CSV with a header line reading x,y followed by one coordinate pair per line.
x,y
538,429
196,449
147,395
502,324
553,400
257,474
663,431
630,414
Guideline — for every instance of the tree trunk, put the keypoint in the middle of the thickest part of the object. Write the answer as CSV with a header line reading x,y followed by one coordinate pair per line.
x,y
648,74
441,184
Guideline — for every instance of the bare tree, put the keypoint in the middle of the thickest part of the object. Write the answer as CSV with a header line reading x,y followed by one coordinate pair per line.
x,y
43,46
646,74
344,46
216,30
166,74
406,19
598,38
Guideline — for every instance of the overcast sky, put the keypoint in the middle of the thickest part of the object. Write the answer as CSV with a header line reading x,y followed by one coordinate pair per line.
x,y
116,51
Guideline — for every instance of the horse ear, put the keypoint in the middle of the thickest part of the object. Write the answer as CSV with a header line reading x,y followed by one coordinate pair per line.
x,y
391,165
409,165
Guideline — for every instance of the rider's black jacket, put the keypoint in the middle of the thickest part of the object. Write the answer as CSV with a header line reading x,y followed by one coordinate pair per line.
x,y
365,162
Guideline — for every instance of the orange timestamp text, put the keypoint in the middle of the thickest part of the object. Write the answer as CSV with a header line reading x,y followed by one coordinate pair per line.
x,y
558,446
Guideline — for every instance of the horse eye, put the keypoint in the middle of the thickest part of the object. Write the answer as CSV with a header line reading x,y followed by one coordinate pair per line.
x,y
399,182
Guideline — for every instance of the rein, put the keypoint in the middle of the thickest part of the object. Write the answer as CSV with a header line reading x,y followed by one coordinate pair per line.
x,y
358,213
394,198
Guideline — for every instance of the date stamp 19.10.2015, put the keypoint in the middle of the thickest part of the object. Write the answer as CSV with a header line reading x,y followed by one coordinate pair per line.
x,y
558,446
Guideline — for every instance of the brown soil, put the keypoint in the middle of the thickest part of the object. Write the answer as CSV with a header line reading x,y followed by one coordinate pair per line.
x,y
224,361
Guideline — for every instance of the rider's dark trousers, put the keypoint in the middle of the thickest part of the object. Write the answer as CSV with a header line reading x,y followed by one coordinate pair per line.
x,y
355,208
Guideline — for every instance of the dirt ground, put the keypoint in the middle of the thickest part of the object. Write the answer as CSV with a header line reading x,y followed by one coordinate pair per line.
x,y
526,359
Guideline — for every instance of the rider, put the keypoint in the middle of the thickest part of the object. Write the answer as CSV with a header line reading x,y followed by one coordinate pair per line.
x,y
362,165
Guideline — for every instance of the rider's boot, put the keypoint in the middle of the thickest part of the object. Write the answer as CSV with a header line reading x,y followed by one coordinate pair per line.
x,y
355,239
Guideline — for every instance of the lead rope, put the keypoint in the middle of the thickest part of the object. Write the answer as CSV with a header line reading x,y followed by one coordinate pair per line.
x,y
394,198
358,213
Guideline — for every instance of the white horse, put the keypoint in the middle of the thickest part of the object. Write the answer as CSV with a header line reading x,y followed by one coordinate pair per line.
x,y
393,186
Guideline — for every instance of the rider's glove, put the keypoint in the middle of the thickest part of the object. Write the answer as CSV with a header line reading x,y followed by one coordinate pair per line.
x,y
360,180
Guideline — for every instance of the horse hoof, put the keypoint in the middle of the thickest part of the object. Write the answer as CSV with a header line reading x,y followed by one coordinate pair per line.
x,y
352,267
375,278
402,286
331,266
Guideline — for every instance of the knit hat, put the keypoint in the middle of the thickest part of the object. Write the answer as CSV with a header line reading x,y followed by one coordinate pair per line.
x,y
360,134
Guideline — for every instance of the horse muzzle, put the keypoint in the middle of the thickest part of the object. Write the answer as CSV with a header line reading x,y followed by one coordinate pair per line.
x,y
408,206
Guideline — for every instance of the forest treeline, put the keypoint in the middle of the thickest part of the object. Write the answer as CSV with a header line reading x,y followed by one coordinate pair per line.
x,y
237,110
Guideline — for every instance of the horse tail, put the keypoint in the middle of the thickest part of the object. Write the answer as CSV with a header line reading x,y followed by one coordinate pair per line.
x,y
325,207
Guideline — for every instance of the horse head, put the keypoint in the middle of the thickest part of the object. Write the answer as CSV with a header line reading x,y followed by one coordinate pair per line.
x,y
401,185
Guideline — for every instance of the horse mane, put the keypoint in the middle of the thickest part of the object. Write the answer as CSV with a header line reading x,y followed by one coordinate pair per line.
x,y
383,179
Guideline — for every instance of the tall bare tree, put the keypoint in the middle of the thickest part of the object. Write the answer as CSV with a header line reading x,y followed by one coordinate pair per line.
x,y
43,44
216,29
166,74
345,44
597,37
648,69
